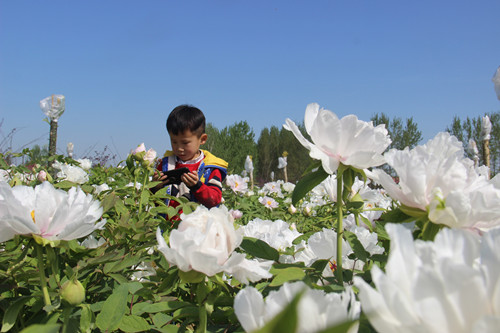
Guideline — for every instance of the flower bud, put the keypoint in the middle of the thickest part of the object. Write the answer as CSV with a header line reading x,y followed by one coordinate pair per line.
x,y
73,292
292,209
42,176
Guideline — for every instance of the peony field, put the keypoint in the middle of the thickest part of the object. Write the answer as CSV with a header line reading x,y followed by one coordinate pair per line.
x,y
368,240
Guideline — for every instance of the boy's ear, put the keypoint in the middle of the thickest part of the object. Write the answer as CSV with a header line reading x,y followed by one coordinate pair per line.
x,y
203,138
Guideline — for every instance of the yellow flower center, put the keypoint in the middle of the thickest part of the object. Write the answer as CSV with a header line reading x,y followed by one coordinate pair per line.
x,y
333,265
33,215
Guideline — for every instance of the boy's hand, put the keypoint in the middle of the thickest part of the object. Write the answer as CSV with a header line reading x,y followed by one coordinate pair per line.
x,y
158,176
190,178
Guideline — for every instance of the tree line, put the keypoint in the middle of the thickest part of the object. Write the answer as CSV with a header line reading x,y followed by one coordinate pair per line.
x,y
233,144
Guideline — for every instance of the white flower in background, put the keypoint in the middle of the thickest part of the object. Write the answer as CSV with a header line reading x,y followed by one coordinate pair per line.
x,y
288,187
47,212
148,156
449,285
277,234
71,173
92,243
100,188
368,239
4,175
329,185
323,245
85,163
142,271
437,179
272,175
485,128
42,175
496,82
205,242
282,162
272,188
248,164
236,213
237,183
348,140
53,106
139,149
268,202
316,310
70,147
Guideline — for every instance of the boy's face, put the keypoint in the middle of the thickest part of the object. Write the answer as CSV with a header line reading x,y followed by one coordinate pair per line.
x,y
186,145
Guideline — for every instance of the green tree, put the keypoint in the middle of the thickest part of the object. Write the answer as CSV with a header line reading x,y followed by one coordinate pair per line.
x,y
232,143
403,134
272,144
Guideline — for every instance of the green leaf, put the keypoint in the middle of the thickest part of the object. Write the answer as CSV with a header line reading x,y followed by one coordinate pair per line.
x,y
86,318
260,249
65,184
340,328
10,316
41,328
113,309
161,319
307,183
134,324
109,201
121,265
143,307
286,275
356,246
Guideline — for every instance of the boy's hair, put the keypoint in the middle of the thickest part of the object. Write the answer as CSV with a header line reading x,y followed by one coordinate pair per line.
x,y
186,117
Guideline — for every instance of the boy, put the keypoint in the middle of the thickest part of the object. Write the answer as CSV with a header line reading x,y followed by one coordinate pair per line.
x,y
203,182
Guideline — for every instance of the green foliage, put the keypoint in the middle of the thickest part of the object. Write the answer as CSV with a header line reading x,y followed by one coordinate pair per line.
x,y
402,136
119,294
232,144
272,144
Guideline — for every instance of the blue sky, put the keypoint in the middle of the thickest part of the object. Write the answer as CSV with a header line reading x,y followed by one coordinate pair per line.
x,y
124,65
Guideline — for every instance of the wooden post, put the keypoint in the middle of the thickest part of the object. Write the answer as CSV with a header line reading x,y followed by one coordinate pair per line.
x,y
53,138
486,155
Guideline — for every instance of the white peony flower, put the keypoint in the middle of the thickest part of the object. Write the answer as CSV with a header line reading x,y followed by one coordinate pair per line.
x,y
437,179
140,148
205,242
277,234
237,183
323,245
47,212
316,310
348,140
85,163
449,285
71,173
268,202
92,243
100,188
150,156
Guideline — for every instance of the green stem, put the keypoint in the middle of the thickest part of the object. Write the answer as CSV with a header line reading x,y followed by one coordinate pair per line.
x,y
41,271
66,314
340,229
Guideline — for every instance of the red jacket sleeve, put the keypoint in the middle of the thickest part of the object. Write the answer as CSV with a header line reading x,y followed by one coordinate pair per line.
x,y
209,193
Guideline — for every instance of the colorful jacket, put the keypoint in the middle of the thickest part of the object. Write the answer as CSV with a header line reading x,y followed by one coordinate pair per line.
x,y
211,173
